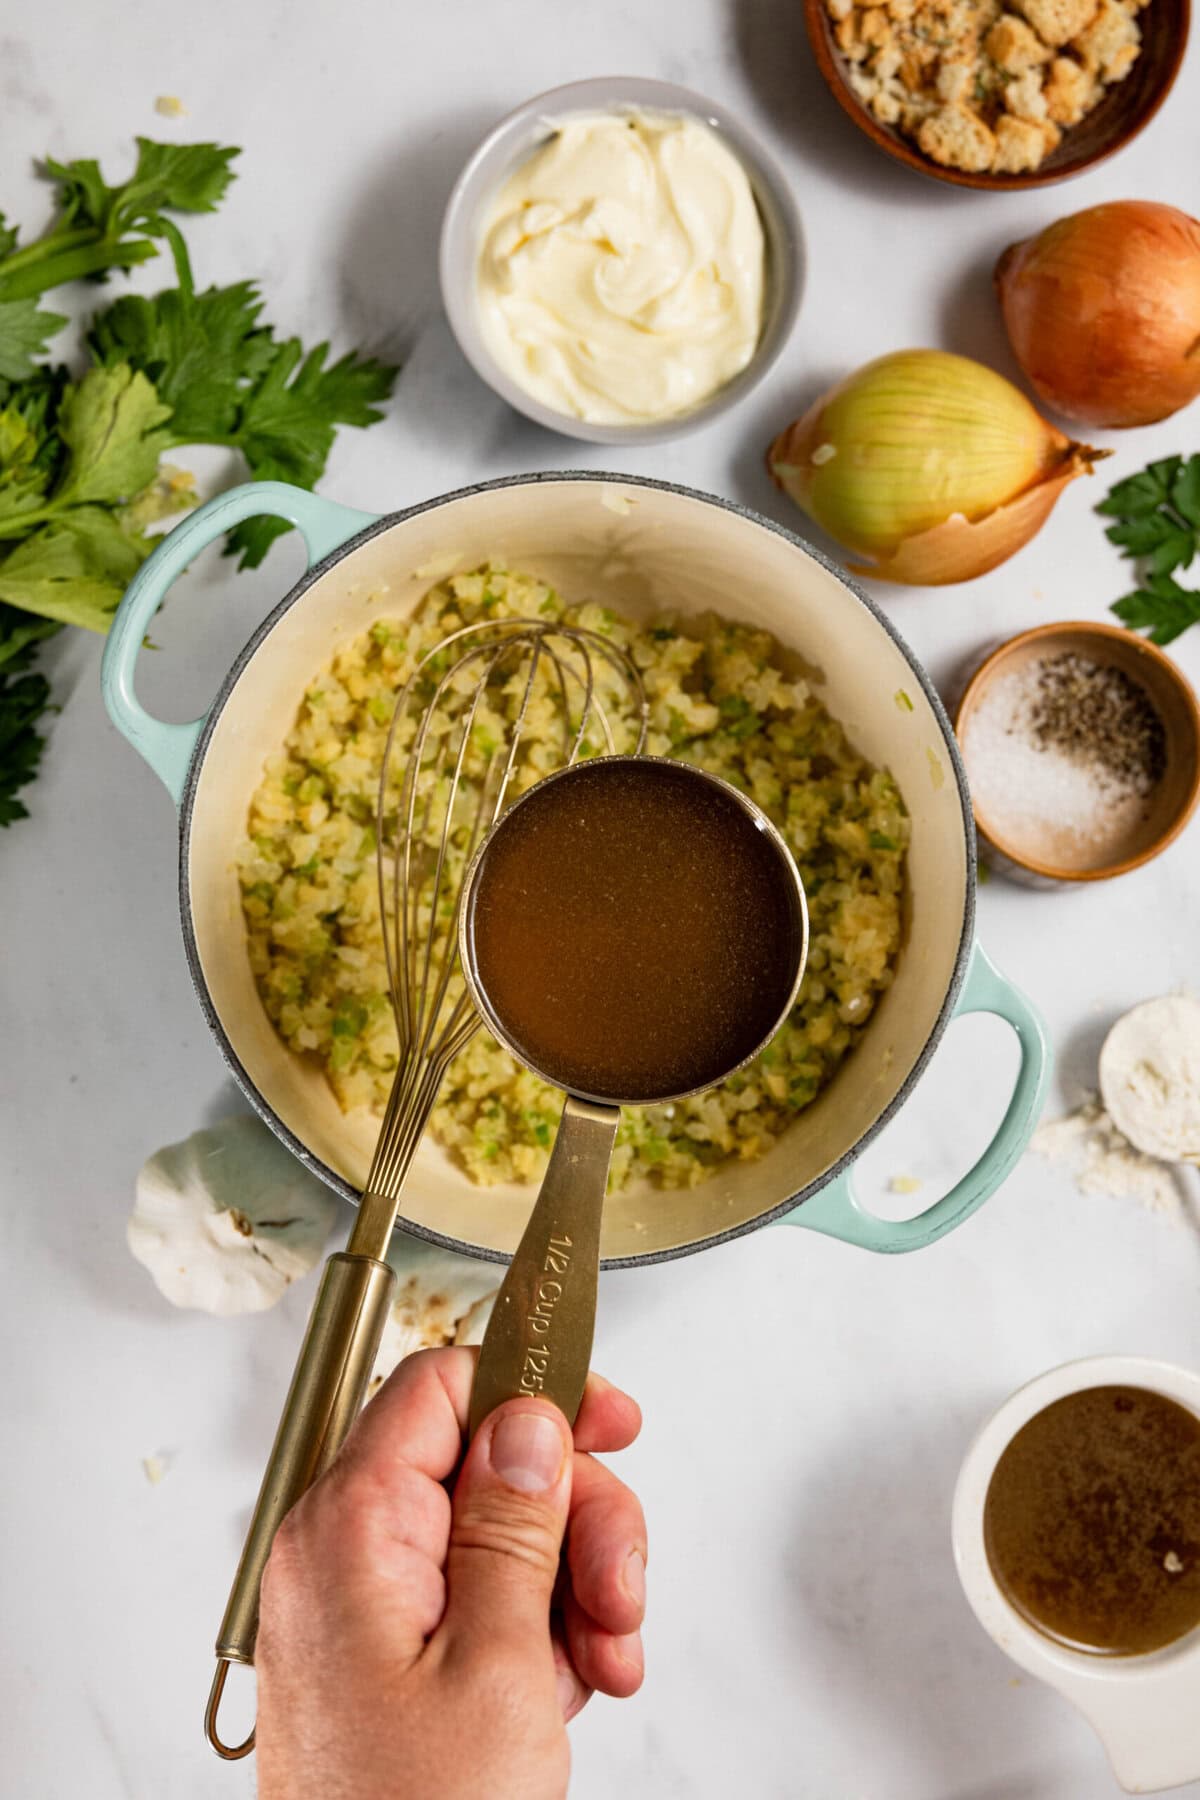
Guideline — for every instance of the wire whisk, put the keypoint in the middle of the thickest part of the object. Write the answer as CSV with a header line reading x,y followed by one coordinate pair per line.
x,y
452,760
450,764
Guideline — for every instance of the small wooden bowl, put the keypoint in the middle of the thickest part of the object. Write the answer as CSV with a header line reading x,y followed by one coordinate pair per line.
x,y
1126,108
1171,803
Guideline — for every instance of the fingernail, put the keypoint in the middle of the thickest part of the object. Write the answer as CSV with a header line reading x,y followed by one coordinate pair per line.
x,y
568,1691
633,1577
629,1649
527,1452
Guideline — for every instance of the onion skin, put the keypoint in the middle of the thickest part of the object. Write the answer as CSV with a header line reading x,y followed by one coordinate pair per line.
x,y
962,548
933,466
1103,312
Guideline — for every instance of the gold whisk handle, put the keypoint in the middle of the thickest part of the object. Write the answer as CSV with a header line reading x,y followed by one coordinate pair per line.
x,y
327,1392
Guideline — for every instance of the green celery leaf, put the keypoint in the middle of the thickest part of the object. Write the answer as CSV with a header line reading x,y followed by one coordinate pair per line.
x,y
111,427
8,237
288,423
25,330
199,351
38,399
1161,607
289,419
20,633
75,569
18,441
1185,491
251,540
84,196
179,177
22,480
37,403
18,498
188,178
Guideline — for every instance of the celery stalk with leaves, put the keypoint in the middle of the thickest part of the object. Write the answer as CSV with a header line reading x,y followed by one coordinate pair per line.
x,y
83,455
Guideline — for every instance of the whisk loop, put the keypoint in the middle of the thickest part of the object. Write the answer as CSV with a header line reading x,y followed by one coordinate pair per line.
x,y
450,764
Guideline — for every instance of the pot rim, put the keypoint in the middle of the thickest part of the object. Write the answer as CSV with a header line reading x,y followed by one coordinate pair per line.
x,y
386,522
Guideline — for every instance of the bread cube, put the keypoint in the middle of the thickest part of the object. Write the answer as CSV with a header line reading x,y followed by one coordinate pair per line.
x,y
1108,45
1057,21
1015,46
1070,91
957,138
1020,146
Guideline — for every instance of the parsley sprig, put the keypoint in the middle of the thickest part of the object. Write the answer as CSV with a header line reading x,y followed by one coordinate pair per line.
x,y
82,458
1159,526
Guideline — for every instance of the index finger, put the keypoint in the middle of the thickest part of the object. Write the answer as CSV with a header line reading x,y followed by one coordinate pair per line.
x,y
417,1418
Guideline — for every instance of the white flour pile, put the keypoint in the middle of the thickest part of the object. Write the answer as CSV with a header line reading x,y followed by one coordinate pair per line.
x,y
1104,1161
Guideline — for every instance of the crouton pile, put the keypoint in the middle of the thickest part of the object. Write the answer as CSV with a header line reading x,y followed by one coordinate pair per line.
x,y
980,87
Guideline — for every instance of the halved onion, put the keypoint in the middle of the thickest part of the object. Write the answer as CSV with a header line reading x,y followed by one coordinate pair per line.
x,y
931,465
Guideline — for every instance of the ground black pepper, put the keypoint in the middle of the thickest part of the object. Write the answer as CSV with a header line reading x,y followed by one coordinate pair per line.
x,y
1102,717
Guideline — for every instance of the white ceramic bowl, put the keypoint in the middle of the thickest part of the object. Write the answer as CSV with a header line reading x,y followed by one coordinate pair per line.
x,y
512,141
1144,1709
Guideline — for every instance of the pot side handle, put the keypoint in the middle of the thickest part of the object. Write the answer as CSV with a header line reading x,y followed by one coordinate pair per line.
x,y
836,1210
323,524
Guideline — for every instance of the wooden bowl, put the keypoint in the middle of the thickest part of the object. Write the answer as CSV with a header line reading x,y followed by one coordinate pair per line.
x,y
1125,109
1169,805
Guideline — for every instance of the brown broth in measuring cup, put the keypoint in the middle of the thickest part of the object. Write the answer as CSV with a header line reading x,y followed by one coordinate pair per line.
x,y
1092,1521
635,929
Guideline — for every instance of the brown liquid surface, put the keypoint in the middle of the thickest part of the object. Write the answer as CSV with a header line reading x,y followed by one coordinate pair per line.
x,y
1092,1521
635,931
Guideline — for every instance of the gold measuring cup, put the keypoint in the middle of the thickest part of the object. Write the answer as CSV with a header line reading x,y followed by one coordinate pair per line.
x,y
539,1339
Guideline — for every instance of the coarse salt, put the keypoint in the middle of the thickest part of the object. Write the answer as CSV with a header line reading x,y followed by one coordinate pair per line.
x,y
1063,803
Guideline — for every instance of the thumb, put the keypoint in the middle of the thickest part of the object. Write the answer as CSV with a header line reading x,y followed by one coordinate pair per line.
x,y
509,1515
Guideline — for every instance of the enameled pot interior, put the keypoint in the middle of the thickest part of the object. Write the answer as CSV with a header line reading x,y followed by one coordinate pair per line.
x,y
641,550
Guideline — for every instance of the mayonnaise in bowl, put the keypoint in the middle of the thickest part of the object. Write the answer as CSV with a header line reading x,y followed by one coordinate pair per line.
x,y
621,273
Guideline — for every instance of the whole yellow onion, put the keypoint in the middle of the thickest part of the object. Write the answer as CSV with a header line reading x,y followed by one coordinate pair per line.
x,y
932,465
1103,310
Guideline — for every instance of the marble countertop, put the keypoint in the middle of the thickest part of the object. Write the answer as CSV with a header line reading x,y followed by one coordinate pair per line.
x,y
807,1405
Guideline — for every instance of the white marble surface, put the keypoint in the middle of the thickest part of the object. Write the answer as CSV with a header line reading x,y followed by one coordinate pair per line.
x,y
806,1405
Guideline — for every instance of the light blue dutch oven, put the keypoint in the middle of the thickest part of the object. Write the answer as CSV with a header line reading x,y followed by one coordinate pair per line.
x,y
639,546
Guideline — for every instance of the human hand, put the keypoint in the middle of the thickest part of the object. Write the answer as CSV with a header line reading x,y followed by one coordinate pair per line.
x,y
425,1642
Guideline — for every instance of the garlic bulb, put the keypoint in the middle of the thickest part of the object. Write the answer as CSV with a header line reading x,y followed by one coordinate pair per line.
x,y
228,1219
441,1298
933,466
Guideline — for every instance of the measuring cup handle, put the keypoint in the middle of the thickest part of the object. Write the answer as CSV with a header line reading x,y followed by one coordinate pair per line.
x,y
325,527
836,1210
539,1337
